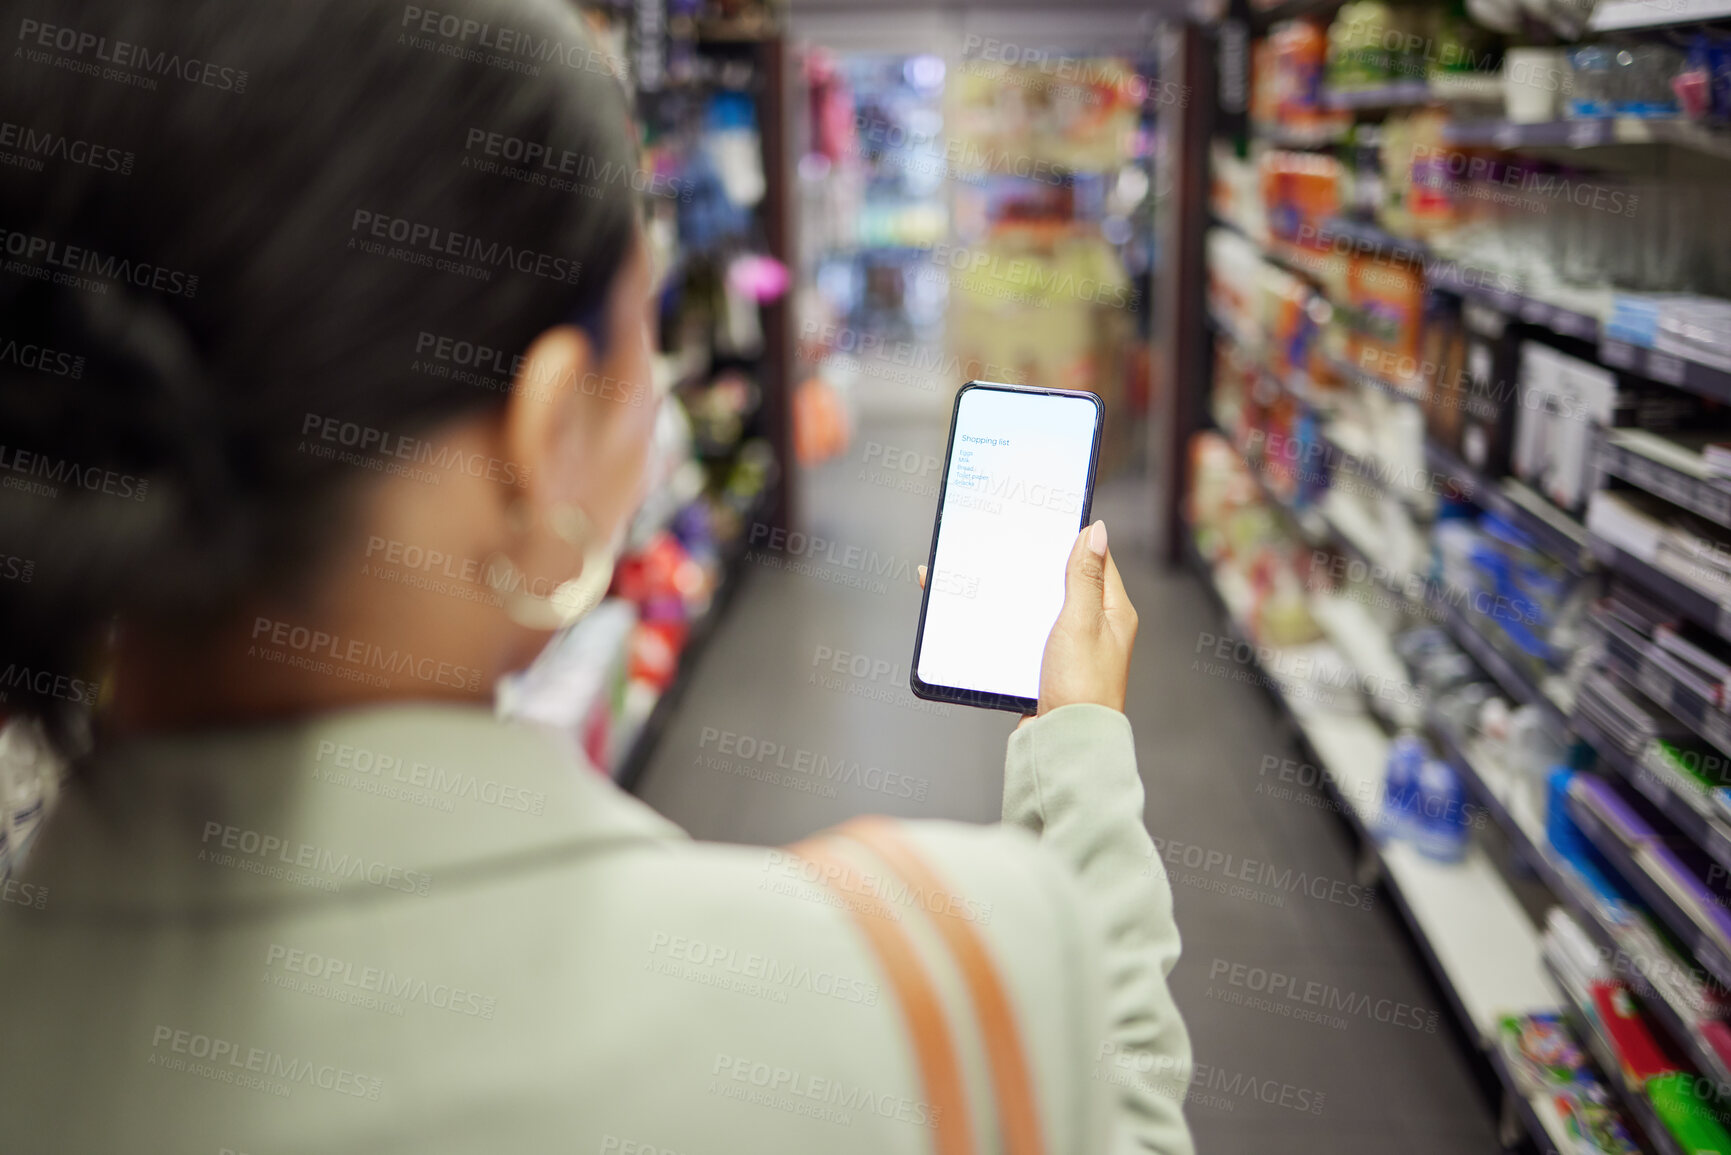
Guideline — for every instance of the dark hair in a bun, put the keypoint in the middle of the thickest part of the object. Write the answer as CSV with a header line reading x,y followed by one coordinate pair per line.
x,y
186,204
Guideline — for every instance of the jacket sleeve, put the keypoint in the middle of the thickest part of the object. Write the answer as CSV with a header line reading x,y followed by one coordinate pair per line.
x,y
1071,779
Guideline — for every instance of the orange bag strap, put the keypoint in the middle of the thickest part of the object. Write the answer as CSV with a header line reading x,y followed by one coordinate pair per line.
x,y
1018,1111
921,1009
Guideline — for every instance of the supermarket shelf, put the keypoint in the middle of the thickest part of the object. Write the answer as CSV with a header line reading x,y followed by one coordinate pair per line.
x,y
1692,603
1629,964
1496,291
1513,681
1691,376
1415,393
1370,238
1362,468
1628,661
1528,840
1634,1100
1540,1118
1544,134
1312,527
1699,1055
1471,928
1490,288
1696,826
1254,348
1399,94
1707,952
1712,500
1291,136
1598,132
1484,286
1558,535
1618,15
636,756
1671,1020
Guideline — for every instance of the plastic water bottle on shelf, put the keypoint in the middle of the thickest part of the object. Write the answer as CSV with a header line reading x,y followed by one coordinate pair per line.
x,y
1400,791
1440,825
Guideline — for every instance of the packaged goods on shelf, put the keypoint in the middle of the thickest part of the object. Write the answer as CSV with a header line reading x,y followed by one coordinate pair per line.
x,y
1562,399
1486,425
1548,1064
1417,190
1010,117
1270,307
1235,190
1374,45
1695,328
1688,888
1620,1035
1424,802
1286,78
1632,79
1511,750
1235,528
1300,192
1525,604
1686,547
1383,311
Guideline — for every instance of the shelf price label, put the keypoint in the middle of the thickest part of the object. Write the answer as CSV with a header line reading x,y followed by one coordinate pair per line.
x,y
1724,622
1506,136
1618,353
1583,134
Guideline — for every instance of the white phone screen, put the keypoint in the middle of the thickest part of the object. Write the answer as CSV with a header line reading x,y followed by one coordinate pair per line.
x,y
1012,506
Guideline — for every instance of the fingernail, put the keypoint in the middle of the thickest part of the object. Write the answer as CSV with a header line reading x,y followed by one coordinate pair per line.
x,y
1097,538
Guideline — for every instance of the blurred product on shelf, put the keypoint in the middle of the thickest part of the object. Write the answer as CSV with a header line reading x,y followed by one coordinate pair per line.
x,y
1286,79
1300,192
1562,400
720,410
1030,121
1624,80
1548,1064
1235,529
1526,604
1686,547
1424,802
821,427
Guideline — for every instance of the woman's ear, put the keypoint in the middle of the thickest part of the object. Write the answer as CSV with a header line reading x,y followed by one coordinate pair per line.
x,y
542,419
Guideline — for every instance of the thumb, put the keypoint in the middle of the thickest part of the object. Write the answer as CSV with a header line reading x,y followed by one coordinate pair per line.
x,y
1085,576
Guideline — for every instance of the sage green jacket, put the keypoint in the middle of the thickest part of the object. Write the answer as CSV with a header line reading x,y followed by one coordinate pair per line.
x,y
420,929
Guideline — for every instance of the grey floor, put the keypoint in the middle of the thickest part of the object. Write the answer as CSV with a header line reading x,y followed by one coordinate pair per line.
x,y
1373,1083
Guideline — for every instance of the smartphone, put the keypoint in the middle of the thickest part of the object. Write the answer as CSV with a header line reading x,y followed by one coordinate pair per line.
x,y
1017,487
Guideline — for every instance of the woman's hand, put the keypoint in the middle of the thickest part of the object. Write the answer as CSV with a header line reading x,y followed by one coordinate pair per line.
x,y
1087,656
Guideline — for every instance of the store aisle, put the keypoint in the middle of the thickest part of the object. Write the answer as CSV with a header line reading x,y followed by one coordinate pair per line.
x,y
1353,1052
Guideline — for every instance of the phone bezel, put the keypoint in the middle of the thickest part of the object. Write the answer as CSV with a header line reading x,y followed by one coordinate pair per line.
x,y
957,694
